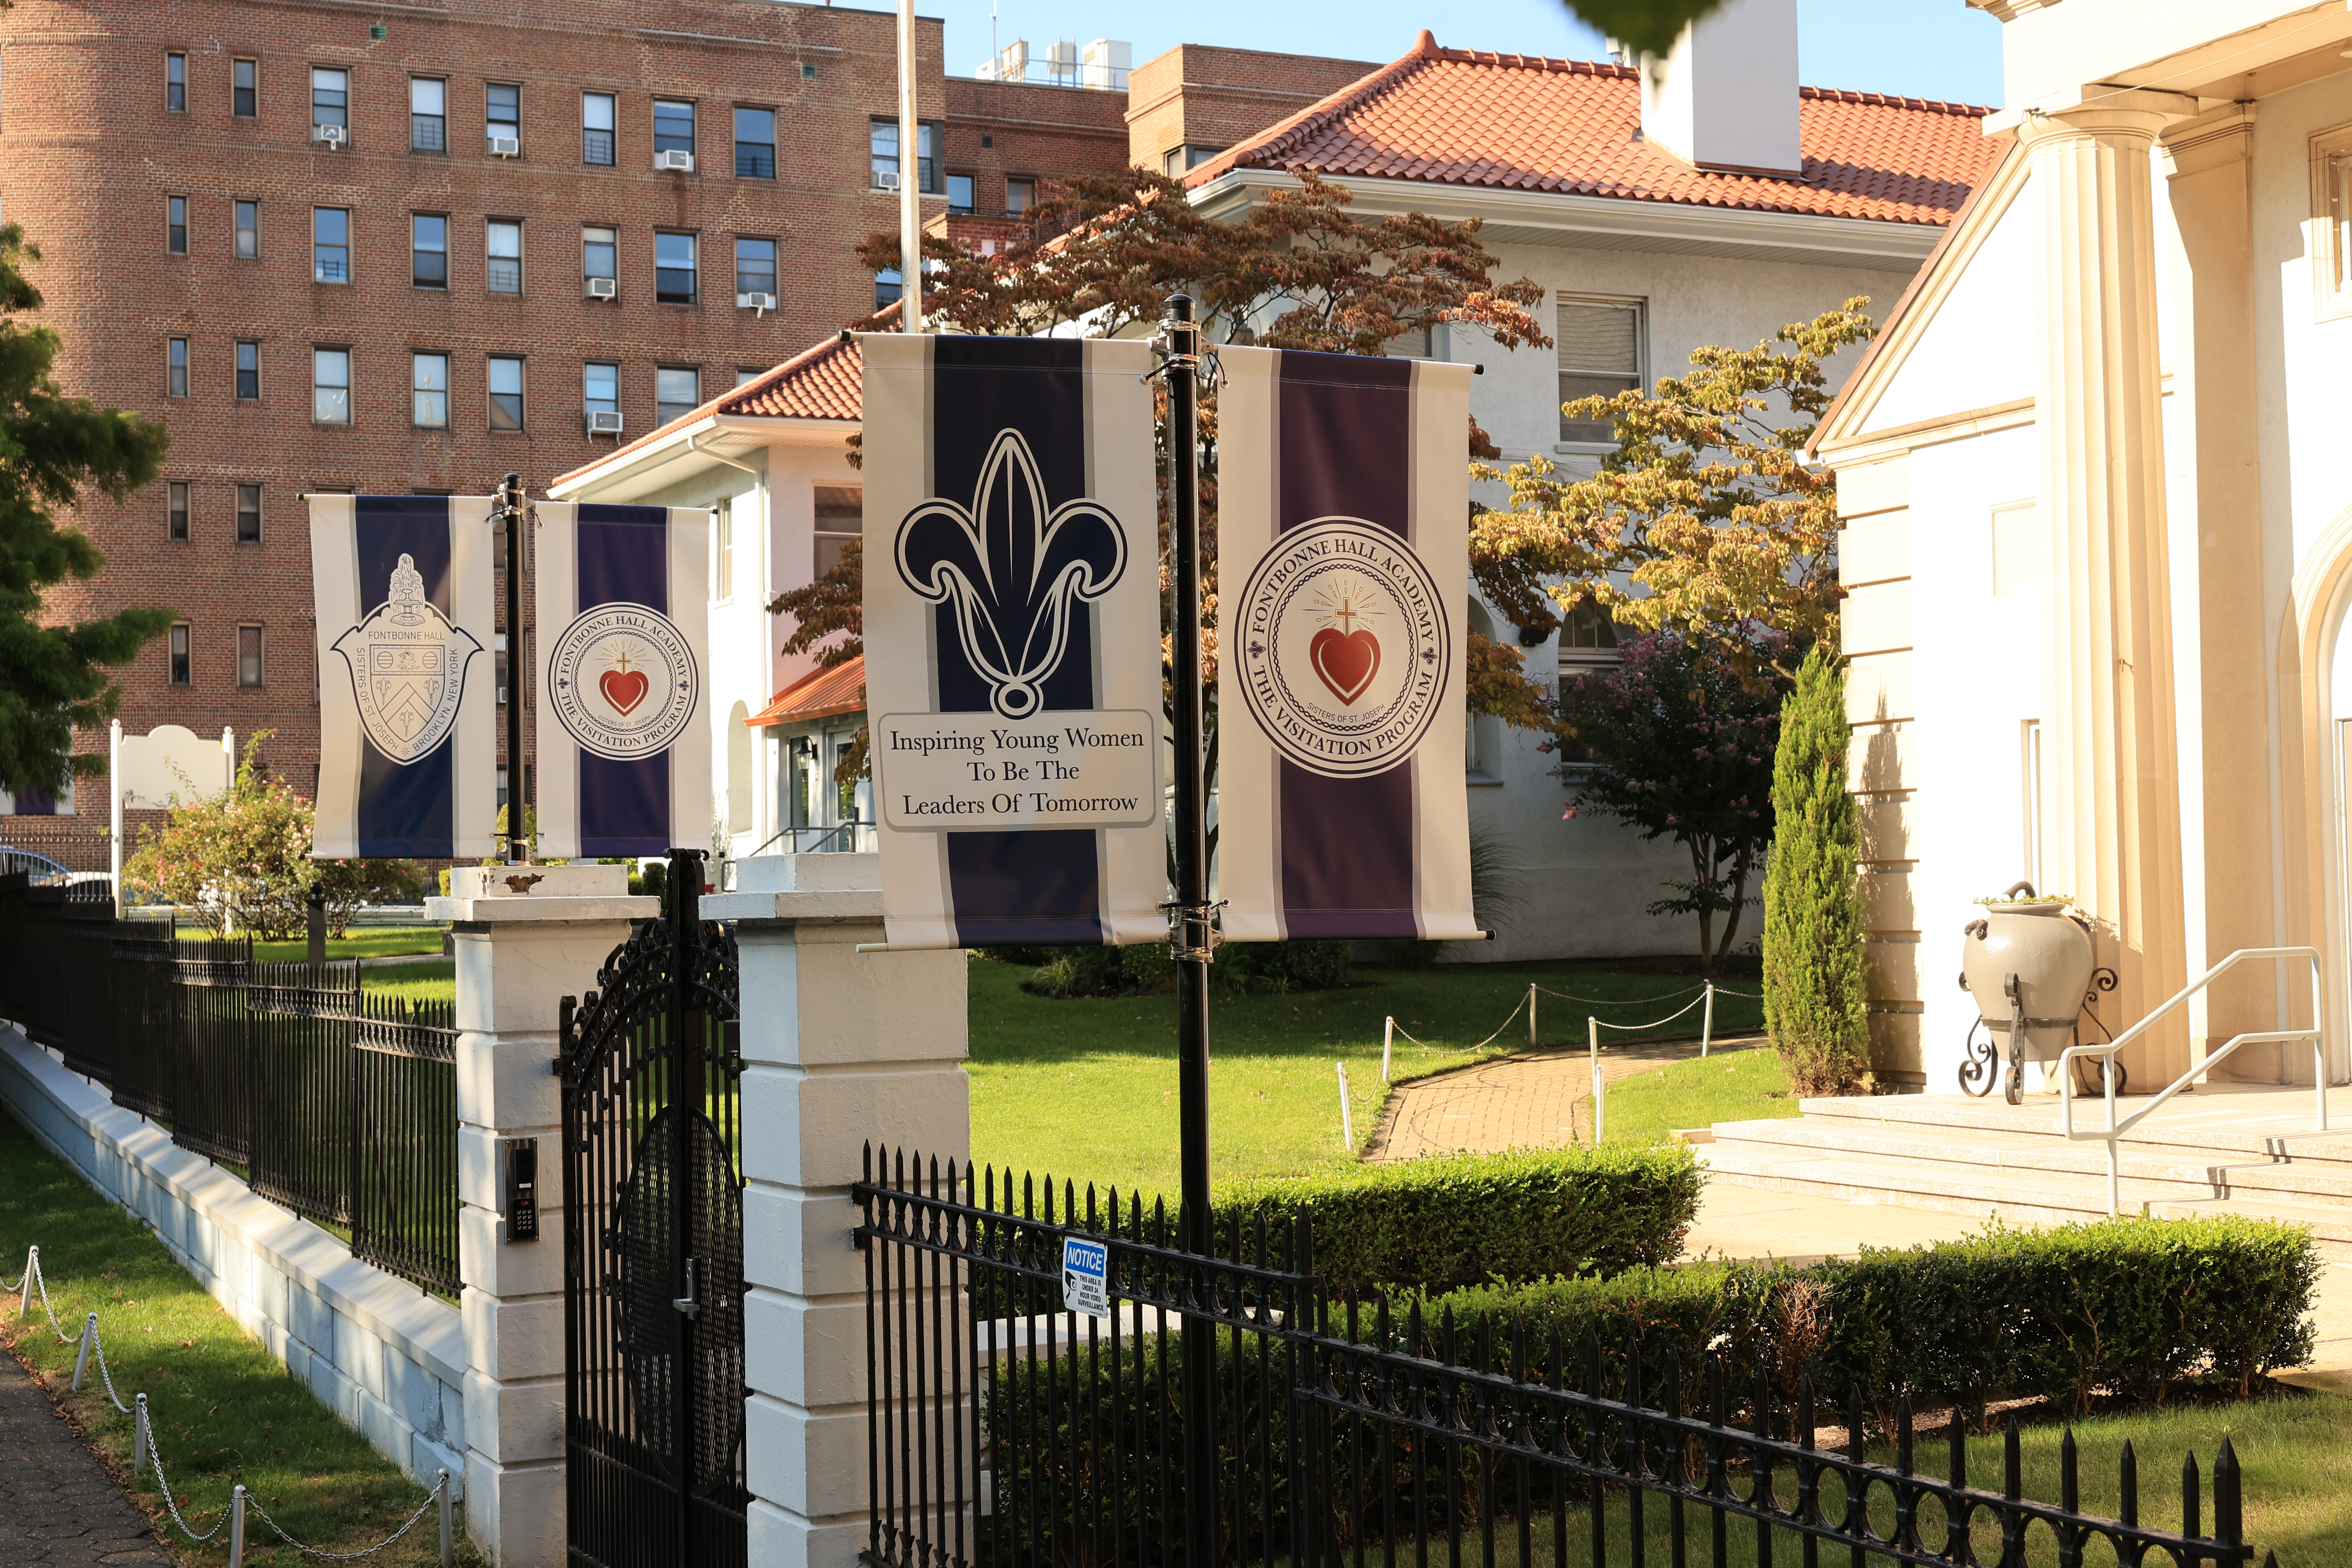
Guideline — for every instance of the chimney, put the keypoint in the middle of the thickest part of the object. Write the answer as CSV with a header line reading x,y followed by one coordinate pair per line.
x,y
1726,97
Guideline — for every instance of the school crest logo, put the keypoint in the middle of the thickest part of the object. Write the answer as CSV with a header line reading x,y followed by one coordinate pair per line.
x,y
622,680
1341,646
408,669
1016,568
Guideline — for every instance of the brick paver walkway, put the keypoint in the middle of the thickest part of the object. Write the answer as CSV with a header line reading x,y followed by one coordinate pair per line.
x,y
1536,1100
58,1507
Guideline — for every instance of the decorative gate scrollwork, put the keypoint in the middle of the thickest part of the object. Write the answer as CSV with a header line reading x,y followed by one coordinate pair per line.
x,y
654,1248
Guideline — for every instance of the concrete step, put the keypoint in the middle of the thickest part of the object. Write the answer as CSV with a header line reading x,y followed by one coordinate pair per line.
x,y
2198,1125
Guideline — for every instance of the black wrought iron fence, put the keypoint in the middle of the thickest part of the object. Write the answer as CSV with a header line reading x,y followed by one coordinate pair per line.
x,y
1006,1431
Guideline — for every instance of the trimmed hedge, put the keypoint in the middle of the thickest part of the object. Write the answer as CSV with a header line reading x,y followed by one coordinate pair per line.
x,y
1438,1224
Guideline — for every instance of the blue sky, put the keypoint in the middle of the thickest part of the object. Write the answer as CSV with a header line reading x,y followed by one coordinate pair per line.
x,y
1927,48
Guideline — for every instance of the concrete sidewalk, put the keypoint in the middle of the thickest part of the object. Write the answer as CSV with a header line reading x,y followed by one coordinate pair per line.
x,y
58,1507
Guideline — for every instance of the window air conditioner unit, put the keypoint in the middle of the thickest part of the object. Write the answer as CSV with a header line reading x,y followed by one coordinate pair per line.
x,y
762,303
886,182
332,135
601,424
682,162
506,146
604,288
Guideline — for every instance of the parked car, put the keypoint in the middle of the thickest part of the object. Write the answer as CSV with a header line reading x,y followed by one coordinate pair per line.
x,y
38,868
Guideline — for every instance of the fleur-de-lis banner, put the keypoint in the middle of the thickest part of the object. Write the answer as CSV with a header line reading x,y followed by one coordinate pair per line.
x,y
407,711
1013,640
622,698
1342,584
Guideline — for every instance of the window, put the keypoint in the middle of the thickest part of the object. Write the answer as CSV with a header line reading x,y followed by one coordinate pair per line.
x,y
673,268
673,126
722,528
596,127
886,288
505,247
249,656
175,224
840,518
597,253
180,653
428,381
1599,356
500,661
745,377
429,250
1020,195
755,266
248,514
959,193
755,143
248,370
331,386
2016,546
175,83
330,97
244,93
175,515
506,394
503,111
1587,635
176,368
248,230
883,144
600,386
1178,161
677,393
428,114
330,245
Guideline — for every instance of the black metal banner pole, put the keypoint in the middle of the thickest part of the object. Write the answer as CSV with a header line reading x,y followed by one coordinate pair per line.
x,y
1181,341
509,508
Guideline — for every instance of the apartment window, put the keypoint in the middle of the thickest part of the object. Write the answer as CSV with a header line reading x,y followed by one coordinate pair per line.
x,y
500,659
598,254
886,288
175,83
678,392
175,224
596,127
330,245
331,386
175,515
1599,356
248,514
503,112
180,653
755,143
883,148
428,114
330,97
176,368
673,126
1178,161
745,377
1020,195
429,250
600,386
245,92
248,230
755,266
428,381
249,656
840,518
959,193
505,248
248,370
506,394
722,526
673,268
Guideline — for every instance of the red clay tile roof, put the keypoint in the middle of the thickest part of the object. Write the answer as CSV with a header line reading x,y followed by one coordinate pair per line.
x,y
824,382
820,694
1524,123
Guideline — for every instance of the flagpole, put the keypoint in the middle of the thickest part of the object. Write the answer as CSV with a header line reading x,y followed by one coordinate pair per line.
x,y
509,507
910,180
1192,942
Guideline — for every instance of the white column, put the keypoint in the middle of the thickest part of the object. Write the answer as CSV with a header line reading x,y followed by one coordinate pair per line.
x,y
518,954
839,1047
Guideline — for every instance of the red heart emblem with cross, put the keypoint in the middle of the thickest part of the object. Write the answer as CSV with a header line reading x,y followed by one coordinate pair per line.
x,y
624,688
1346,661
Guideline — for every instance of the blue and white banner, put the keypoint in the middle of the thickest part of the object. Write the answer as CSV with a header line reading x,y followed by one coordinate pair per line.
x,y
1013,640
623,697
407,709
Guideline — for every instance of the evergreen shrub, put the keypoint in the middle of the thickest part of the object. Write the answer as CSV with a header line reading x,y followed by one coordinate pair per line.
x,y
1813,914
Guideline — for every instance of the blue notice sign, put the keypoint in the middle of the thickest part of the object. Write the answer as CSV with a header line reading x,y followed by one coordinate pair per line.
x,y
1085,1288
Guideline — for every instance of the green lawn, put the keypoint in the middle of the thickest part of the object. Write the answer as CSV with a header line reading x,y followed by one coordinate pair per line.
x,y
374,942
427,980
1087,1088
224,1410
1747,1085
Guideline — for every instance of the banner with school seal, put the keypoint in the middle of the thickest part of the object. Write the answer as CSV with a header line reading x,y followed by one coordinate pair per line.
x,y
1342,584
407,709
1012,625
623,700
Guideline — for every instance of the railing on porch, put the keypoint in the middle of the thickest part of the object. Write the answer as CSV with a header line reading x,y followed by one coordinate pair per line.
x,y
1005,1430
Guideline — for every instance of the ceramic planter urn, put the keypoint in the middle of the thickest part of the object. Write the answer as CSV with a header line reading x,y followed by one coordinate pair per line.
x,y
2048,954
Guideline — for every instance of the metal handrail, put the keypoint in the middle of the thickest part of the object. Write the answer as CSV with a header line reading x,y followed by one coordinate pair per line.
x,y
822,834
2113,1130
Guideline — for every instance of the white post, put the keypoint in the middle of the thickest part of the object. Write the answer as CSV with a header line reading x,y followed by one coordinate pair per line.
x,y
1592,1048
114,810
228,750
910,180
1706,1020
1388,1038
236,1527
518,956
81,1354
32,1267
1531,1012
448,1536
840,1048
1347,1117
139,1435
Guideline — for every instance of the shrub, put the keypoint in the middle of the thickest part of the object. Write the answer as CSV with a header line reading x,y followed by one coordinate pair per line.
x,y
1813,916
1069,972
1278,968
1257,968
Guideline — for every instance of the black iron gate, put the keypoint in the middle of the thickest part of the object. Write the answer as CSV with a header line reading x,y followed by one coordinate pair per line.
x,y
653,1247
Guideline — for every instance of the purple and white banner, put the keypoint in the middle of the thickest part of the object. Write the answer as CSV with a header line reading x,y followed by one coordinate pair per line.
x,y
1013,640
407,711
622,698
1342,583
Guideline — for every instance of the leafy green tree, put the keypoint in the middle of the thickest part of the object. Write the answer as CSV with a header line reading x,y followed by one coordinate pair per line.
x,y
1646,27
1814,989
53,449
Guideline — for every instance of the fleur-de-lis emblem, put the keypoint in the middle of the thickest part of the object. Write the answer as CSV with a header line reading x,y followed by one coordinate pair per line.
x,y
1015,568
